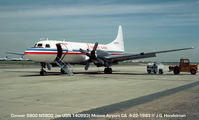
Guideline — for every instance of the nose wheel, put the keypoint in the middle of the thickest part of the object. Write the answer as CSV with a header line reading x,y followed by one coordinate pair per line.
x,y
43,72
108,70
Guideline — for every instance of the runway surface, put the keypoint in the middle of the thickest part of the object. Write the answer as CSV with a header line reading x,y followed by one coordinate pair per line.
x,y
23,90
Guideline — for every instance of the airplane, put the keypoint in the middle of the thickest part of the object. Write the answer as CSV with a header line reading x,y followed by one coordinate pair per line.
x,y
4,59
17,59
62,53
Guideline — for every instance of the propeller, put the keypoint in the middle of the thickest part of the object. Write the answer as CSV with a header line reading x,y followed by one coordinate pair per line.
x,y
92,56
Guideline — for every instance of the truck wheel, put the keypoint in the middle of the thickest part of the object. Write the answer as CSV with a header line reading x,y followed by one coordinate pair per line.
x,y
176,71
160,71
193,71
148,71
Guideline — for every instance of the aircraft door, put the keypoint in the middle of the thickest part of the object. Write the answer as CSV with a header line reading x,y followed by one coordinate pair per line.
x,y
59,51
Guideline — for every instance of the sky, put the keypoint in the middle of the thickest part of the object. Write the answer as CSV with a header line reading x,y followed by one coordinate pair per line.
x,y
148,25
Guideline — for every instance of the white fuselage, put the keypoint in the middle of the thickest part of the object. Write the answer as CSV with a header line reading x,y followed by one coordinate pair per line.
x,y
47,51
69,52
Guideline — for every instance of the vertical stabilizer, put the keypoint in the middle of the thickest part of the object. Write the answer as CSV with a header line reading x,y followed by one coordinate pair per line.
x,y
118,42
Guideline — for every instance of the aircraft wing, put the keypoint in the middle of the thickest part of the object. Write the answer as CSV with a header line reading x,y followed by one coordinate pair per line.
x,y
140,55
15,53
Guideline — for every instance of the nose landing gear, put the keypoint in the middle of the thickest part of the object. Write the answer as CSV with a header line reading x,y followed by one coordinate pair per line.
x,y
43,72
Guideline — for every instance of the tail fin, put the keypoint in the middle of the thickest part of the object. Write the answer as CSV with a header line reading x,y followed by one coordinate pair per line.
x,y
118,42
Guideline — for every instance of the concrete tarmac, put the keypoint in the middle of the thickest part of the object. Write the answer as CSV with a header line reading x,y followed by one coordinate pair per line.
x,y
24,91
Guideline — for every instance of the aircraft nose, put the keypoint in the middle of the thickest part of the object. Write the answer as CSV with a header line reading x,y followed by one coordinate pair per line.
x,y
30,54
26,55
40,54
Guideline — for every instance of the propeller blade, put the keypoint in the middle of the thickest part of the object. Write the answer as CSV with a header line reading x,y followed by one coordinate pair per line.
x,y
95,46
87,65
92,56
82,51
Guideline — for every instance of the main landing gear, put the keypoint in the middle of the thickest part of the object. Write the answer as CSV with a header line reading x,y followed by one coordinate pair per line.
x,y
108,70
43,72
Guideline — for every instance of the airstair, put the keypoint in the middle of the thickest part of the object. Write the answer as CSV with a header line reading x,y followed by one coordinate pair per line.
x,y
59,60
63,66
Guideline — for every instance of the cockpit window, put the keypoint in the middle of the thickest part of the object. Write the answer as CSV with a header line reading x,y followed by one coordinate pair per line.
x,y
47,46
39,45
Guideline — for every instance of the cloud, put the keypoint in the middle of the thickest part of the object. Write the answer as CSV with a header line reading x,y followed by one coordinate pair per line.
x,y
152,23
95,10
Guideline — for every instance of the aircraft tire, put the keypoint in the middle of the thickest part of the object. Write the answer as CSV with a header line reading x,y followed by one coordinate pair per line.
x,y
43,72
108,70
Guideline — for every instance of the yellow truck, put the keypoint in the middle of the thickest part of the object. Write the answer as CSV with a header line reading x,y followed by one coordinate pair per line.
x,y
184,66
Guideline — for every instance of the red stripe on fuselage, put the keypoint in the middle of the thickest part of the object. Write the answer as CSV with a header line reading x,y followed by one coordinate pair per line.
x,y
54,53
46,53
27,53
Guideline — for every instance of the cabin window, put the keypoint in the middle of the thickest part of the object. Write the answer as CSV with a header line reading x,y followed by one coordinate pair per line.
x,y
39,45
47,46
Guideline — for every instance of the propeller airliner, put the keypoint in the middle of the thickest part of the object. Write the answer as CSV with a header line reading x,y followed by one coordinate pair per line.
x,y
63,53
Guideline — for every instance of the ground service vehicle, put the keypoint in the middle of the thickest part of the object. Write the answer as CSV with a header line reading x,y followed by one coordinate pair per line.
x,y
184,66
155,68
